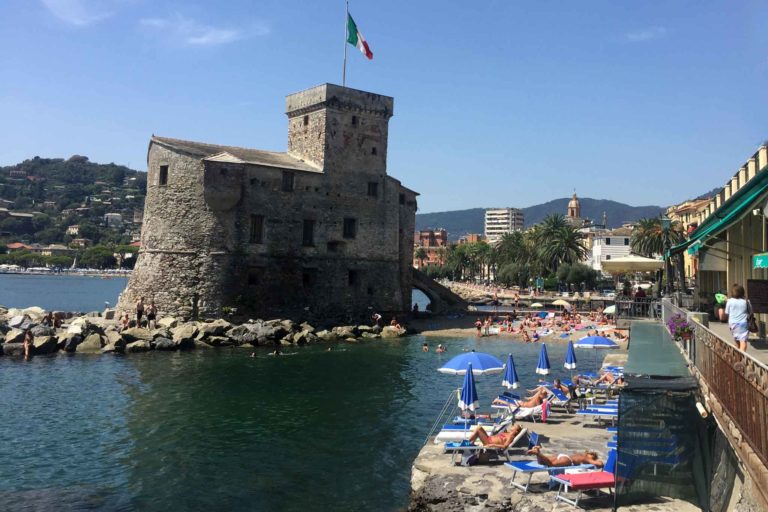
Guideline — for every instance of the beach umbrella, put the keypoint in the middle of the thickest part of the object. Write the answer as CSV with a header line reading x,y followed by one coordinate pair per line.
x,y
570,357
468,396
610,310
542,367
595,343
510,375
481,362
537,305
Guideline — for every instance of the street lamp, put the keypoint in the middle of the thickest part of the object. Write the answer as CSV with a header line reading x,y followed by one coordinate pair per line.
x,y
666,224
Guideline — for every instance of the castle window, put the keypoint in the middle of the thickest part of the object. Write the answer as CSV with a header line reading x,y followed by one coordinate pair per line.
x,y
373,150
288,181
354,120
306,120
607,241
254,276
162,177
402,198
308,237
309,277
626,241
373,189
607,256
352,278
257,229
350,227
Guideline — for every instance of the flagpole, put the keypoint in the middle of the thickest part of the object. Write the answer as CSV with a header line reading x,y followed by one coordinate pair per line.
x,y
346,36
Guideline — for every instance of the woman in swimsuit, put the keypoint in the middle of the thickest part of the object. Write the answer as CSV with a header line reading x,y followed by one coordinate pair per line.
x,y
502,440
563,459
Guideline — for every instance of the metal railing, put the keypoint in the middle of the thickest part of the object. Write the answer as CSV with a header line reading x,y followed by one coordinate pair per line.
x,y
637,307
738,381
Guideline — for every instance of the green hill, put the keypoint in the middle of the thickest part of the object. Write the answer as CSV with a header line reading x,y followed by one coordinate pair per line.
x,y
41,197
461,222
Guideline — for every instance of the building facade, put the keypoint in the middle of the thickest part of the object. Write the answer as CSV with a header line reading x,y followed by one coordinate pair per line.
x,y
610,244
434,243
501,221
318,230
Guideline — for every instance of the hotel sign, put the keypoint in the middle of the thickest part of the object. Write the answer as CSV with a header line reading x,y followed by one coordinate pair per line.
x,y
760,260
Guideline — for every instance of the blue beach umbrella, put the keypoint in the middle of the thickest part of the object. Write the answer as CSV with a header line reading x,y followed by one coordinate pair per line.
x,y
595,343
510,375
481,364
543,366
570,357
468,396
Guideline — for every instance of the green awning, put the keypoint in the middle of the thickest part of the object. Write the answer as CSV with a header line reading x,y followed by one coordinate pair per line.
x,y
760,260
728,213
653,352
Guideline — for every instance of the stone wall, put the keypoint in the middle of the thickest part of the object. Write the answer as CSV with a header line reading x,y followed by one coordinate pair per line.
x,y
197,254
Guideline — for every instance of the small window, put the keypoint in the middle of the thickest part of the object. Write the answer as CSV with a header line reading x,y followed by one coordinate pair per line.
x,y
257,229
306,120
607,241
352,278
626,241
288,181
607,256
373,189
254,276
309,277
373,150
350,227
308,238
402,198
162,177
354,120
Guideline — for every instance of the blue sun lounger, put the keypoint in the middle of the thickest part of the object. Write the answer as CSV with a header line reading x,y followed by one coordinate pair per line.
x,y
600,414
531,467
465,446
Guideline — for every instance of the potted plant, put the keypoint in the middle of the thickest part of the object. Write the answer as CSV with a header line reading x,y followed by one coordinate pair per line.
x,y
680,328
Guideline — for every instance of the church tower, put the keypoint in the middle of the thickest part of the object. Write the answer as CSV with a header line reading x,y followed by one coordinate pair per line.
x,y
574,208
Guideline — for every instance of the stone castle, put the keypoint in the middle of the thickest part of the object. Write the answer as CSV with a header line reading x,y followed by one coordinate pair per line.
x,y
320,229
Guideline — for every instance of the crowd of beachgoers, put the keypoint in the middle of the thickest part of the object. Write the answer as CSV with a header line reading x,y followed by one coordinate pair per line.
x,y
532,327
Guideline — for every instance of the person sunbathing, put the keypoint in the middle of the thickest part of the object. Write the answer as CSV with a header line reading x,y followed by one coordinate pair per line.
x,y
537,399
563,459
501,440
607,377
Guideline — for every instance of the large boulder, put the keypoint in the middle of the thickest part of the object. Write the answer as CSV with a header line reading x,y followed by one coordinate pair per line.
x,y
161,333
35,313
392,332
13,349
184,333
219,341
91,343
242,334
164,344
345,331
215,328
43,330
364,328
14,336
167,322
327,336
138,346
287,325
69,341
45,345
17,321
371,335
199,344
113,348
306,326
136,334
114,337
267,333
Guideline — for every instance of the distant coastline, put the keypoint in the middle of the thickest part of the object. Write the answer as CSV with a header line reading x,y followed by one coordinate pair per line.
x,y
68,272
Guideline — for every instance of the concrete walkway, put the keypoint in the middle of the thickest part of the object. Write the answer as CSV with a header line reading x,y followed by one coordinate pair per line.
x,y
757,347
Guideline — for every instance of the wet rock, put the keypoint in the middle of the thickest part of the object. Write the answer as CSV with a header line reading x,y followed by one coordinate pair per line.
x,y
91,343
43,330
136,334
215,328
392,332
45,345
113,337
199,344
364,328
35,313
345,331
219,341
287,325
17,321
165,344
371,335
168,322
69,341
111,348
138,346
242,334
161,333
13,349
14,336
326,336
184,333
307,327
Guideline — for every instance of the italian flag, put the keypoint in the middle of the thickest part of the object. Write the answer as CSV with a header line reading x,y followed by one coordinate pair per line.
x,y
355,38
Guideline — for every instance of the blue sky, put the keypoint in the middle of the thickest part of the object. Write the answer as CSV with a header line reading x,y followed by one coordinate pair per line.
x,y
497,102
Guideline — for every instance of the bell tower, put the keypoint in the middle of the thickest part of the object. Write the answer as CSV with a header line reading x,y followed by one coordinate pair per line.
x,y
574,208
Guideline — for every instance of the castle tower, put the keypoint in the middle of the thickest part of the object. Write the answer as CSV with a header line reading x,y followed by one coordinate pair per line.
x,y
574,208
335,128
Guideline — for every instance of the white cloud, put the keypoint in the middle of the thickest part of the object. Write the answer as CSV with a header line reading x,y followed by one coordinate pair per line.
x,y
79,12
187,31
641,36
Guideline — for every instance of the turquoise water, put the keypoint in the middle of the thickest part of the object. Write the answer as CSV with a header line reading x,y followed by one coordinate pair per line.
x,y
60,293
218,430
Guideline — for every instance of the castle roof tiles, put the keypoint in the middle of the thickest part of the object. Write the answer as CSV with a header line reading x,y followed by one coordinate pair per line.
x,y
233,154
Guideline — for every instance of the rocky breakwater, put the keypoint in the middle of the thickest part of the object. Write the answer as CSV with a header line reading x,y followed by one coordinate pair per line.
x,y
95,334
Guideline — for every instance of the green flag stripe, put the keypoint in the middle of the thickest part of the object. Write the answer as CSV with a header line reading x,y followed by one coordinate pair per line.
x,y
351,31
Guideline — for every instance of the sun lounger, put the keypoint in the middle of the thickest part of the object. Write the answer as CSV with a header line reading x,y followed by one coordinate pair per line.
x,y
531,467
599,415
560,399
588,481
465,447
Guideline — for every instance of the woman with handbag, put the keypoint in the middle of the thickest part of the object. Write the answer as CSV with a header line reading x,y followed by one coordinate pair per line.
x,y
738,311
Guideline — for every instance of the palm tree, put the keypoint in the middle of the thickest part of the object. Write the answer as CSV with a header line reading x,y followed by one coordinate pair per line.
x,y
420,254
558,244
649,239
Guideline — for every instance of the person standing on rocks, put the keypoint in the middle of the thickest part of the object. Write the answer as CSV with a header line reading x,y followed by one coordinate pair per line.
x,y
139,311
151,315
28,345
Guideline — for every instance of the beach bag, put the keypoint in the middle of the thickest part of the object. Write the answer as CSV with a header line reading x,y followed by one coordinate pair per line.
x,y
751,322
469,459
